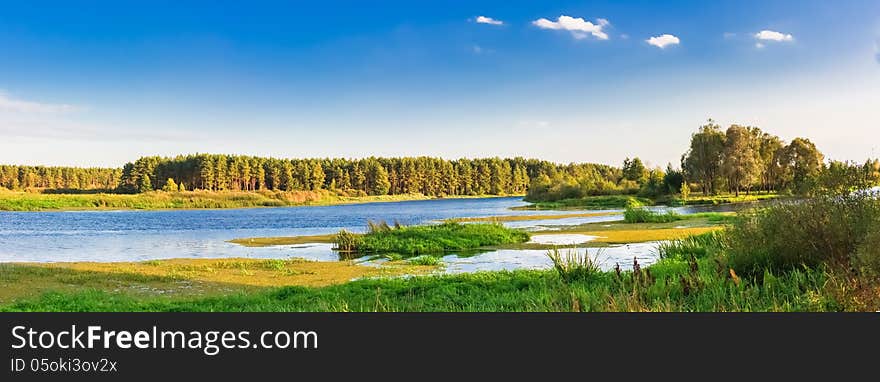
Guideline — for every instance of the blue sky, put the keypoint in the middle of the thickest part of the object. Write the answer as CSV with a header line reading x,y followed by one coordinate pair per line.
x,y
101,83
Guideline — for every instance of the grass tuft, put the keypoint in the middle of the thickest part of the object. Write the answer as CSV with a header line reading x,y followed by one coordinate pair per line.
x,y
574,266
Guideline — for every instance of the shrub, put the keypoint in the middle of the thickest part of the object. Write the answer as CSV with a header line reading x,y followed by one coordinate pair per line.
x,y
867,257
809,232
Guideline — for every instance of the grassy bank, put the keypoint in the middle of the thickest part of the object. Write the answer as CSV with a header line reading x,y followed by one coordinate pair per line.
x,y
721,199
670,285
644,215
623,232
513,218
429,239
695,273
589,203
27,201
183,278
283,240
623,201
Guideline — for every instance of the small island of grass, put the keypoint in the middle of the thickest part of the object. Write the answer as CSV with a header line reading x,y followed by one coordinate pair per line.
x,y
428,239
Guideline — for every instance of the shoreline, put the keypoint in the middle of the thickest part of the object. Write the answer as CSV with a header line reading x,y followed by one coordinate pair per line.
x,y
10,197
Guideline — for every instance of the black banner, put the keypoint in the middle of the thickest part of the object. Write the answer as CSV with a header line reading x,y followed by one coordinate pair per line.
x,y
89,346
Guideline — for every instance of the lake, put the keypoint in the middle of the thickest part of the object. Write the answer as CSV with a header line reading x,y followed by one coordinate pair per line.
x,y
110,236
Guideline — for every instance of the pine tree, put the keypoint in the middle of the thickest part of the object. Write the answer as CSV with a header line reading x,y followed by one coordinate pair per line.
x,y
170,186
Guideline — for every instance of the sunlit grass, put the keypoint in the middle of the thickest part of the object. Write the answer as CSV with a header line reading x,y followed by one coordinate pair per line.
x,y
27,201
432,239
186,276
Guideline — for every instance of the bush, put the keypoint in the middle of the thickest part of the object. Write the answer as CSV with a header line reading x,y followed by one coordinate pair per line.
x,y
867,257
809,232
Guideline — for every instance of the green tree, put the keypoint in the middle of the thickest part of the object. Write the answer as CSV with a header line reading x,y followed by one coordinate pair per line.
x,y
673,179
220,175
170,186
378,178
287,181
318,176
702,161
144,184
741,160
635,170
801,162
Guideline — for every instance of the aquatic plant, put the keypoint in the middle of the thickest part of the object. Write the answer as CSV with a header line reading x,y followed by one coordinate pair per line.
x,y
644,215
425,260
430,239
574,266
346,241
698,246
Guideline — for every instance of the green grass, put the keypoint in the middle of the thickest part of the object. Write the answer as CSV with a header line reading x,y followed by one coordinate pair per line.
x,y
574,266
27,201
670,285
425,260
590,203
644,215
696,246
430,239
722,199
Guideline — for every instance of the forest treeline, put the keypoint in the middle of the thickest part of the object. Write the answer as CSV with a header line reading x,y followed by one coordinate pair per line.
x,y
59,178
738,159
368,176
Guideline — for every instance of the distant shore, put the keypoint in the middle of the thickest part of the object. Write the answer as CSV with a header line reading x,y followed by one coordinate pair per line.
x,y
161,200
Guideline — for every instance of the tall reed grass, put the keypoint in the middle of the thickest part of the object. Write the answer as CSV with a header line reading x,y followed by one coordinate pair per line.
x,y
573,266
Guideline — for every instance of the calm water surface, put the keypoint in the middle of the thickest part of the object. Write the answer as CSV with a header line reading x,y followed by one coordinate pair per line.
x,y
144,235
109,236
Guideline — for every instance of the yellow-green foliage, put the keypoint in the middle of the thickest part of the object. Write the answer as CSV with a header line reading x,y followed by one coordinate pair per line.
x,y
25,201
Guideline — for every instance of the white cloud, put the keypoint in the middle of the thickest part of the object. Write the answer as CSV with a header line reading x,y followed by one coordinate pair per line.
x,y
759,45
488,20
578,27
768,35
663,41
8,103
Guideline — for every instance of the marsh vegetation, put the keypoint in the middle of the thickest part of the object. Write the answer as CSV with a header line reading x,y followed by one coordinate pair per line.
x,y
451,235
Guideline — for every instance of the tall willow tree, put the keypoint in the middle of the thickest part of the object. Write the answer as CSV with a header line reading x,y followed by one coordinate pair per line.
x,y
702,162
741,161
